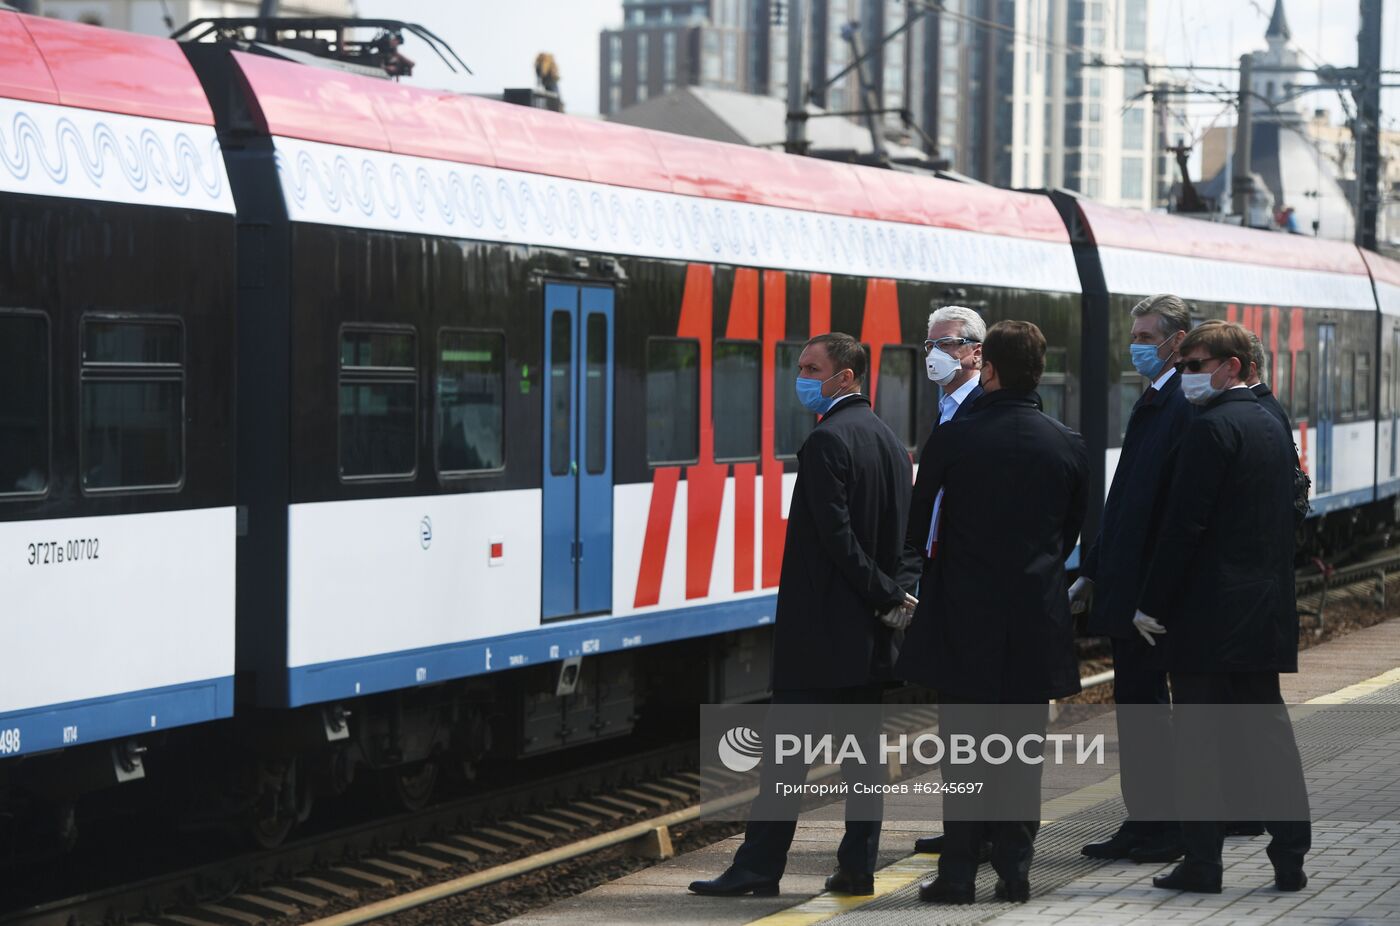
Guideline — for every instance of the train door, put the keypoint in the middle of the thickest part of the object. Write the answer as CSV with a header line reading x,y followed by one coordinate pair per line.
x,y
576,553
1326,376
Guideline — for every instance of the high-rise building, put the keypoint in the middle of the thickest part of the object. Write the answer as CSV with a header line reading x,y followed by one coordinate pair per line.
x,y
1011,92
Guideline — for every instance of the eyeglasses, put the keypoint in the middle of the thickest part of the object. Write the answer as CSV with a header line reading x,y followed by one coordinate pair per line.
x,y
1194,366
947,344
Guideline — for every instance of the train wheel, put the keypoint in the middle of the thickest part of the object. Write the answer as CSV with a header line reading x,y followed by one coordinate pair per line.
x,y
410,787
282,802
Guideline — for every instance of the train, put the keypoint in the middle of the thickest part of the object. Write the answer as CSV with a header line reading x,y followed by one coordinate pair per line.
x,y
351,429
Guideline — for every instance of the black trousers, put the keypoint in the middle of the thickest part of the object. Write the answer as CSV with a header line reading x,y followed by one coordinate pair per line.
x,y
1013,788
1264,752
773,817
1143,736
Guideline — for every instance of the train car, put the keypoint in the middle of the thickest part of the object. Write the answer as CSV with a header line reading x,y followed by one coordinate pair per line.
x,y
117,512
1311,303
1385,274
517,392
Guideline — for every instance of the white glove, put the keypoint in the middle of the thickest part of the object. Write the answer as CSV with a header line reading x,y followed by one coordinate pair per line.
x,y
1081,595
1148,627
900,615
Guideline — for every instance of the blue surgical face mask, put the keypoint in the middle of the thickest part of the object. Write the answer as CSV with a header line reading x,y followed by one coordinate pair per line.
x,y
809,393
1145,359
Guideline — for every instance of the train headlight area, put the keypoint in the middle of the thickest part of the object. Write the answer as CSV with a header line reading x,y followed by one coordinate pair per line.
x,y
341,416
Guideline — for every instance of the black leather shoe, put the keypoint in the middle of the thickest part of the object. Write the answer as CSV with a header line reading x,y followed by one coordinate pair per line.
x,y
734,882
1290,880
847,882
1158,851
934,844
1185,877
1017,890
941,890
1118,846
1251,828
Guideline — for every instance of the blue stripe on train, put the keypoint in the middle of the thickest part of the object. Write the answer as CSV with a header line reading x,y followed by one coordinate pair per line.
x,y
1328,503
56,726
369,674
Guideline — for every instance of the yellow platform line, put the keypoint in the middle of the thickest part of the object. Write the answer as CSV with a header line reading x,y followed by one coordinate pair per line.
x,y
824,906
1360,689
907,870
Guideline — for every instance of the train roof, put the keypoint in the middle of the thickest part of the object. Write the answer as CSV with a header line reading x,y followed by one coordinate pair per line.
x,y
378,115
355,151
1386,273
1148,252
106,116
69,64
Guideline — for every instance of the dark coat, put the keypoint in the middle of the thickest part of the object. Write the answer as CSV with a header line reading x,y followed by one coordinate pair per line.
x,y
1118,557
911,567
1221,579
845,534
993,622
1266,398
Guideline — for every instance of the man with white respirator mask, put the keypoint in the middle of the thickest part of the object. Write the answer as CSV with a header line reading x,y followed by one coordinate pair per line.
x,y
953,359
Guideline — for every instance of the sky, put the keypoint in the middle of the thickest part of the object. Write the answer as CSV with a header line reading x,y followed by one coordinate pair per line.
x,y
500,38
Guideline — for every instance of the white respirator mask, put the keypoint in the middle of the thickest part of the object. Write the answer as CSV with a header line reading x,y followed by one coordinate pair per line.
x,y
941,367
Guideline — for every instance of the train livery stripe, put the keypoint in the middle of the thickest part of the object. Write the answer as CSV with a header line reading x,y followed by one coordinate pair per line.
x,y
48,150
353,187
134,713
1144,272
390,671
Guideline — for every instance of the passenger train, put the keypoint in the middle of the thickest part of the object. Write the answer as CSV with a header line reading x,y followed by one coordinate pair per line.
x,y
352,428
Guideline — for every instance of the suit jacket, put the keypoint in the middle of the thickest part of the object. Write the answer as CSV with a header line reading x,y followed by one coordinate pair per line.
x,y
1266,398
1221,579
993,622
844,538
1118,557
911,567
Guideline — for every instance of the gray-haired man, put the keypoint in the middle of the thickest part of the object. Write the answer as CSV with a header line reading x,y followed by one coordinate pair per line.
x,y
953,359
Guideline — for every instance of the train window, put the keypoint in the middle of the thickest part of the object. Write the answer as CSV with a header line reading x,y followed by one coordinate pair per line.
x,y
596,397
1054,384
1300,393
1362,378
737,399
1345,385
24,404
378,404
894,400
673,400
470,401
132,406
561,378
791,422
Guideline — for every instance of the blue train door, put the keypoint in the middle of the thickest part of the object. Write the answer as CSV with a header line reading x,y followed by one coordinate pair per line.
x,y
576,553
1326,340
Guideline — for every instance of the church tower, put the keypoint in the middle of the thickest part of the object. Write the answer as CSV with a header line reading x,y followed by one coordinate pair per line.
x,y
1274,71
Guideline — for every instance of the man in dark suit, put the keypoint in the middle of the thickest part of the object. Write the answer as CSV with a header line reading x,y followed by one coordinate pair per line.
x,y
845,536
1220,591
992,626
953,359
1112,570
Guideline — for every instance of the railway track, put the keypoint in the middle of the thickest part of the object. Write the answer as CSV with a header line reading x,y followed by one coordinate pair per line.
x,y
464,845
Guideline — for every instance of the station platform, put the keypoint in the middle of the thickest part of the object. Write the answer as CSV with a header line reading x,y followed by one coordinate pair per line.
x,y
1353,868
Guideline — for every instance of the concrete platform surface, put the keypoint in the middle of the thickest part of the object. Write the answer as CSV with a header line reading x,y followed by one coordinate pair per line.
x,y
1353,869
